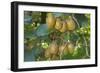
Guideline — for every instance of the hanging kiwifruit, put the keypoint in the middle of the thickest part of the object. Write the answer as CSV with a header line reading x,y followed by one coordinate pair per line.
x,y
70,24
50,20
47,53
63,29
53,48
55,57
58,24
63,49
70,47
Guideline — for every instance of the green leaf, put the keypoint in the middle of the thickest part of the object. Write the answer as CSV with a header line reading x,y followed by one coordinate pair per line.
x,y
42,30
66,36
32,55
82,19
29,35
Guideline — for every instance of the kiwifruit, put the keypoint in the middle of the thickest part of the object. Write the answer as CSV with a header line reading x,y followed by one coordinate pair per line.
x,y
58,24
53,48
50,20
47,53
63,29
63,49
70,47
70,24
55,57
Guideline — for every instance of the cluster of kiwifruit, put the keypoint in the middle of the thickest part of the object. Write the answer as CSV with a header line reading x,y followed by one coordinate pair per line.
x,y
59,24
54,50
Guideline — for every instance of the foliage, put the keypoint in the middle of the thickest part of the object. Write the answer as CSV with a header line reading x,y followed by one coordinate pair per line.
x,y
71,43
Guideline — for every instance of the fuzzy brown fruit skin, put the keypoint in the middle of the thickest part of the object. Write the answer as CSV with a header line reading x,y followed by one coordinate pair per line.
x,y
58,24
63,29
47,53
55,57
53,48
52,51
63,49
65,52
70,47
70,24
50,20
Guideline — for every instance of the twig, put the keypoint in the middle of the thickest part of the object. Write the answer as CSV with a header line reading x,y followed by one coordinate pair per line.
x,y
76,20
86,49
87,54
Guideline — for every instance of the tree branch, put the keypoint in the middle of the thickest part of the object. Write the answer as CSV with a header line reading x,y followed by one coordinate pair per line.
x,y
86,49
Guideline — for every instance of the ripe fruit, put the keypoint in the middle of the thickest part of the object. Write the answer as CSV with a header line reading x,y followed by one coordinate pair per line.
x,y
63,49
50,20
53,48
47,53
63,29
58,24
52,51
70,47
70,24
55,57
